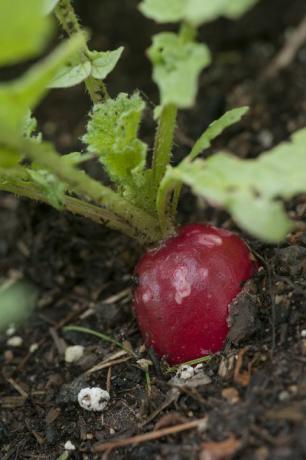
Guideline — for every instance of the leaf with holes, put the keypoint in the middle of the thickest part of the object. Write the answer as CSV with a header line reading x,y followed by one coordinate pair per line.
x,y
112,135
194,12
173,60
103,62
71,74
251,189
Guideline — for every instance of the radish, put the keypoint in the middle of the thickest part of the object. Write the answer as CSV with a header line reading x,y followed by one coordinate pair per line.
x,y
184,290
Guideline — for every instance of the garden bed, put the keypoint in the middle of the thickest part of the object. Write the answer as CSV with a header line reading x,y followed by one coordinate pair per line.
x,y
255,398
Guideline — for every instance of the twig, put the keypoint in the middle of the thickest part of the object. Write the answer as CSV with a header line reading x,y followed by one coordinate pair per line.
x,y
107,364
287,54
58,341
18,388
152,435
171,397
109,379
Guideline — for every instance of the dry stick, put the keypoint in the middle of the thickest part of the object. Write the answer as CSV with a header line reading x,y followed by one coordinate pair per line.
x,y
152,435
287,54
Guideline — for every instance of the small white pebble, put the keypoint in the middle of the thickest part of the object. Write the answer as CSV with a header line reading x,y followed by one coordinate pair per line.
x,y
144,363
33,347
74,353
184,372
14,341
198,368
303,333
265,137
69,446
10,330
93,399
283,395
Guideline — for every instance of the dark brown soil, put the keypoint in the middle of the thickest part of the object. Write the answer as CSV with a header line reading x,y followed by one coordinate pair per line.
x,y
256,396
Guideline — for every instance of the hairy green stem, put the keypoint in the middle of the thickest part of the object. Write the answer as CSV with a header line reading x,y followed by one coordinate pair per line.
x,y
163,142
161,159
74,205
146,227
169,190
68,19
164,202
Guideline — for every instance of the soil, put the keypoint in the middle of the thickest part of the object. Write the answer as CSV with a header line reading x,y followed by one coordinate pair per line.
x,y
252,398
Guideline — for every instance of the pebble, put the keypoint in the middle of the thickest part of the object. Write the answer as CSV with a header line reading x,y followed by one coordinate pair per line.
x,y
231,395
93,399
284,396
74,353
144,363
10,330
8,356
69,446
184,372
226,367
14,341
33,347
265,137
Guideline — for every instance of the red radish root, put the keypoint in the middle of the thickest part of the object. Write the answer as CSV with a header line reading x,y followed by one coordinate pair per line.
x,y
185,288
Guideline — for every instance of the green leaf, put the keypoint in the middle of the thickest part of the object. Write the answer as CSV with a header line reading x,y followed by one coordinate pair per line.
x,y
29,128
177,65
49,5
198,12
103,62
98,64
24,30
9,158
195,12
20,95
112,135
17,300
71,74
163,11
53,188
215,128
237,8
251,189
261,217
76,158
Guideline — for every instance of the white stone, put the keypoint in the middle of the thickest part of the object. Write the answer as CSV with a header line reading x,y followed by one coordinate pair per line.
x,y
14,341
10,330
33,347
74,353
184,372
93,399
198,368
69,446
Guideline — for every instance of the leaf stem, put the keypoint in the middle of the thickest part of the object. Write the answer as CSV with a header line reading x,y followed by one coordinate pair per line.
x,y
74,205
69,21
164,201
163,142
161,159
146,227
